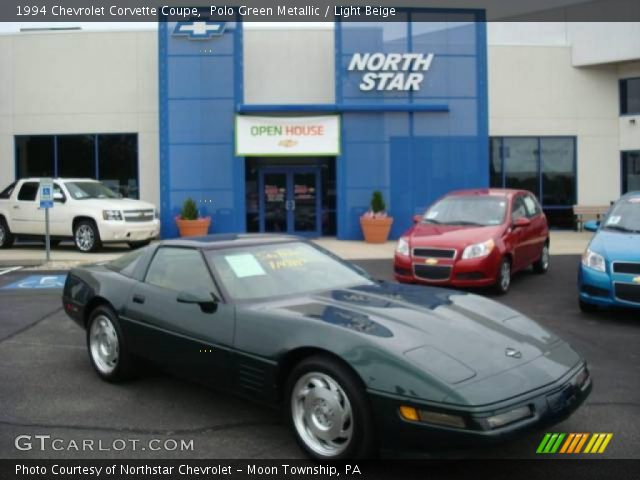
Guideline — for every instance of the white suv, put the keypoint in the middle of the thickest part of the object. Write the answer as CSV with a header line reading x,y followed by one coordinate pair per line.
x,y
84,209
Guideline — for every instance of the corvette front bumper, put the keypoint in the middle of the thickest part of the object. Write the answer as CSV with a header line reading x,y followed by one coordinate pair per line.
x,y
549,405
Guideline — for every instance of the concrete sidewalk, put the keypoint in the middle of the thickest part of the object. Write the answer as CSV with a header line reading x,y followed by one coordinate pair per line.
x,y
65,255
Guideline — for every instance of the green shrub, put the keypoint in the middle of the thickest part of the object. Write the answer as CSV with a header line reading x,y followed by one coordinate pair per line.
x,y
377,202
189,210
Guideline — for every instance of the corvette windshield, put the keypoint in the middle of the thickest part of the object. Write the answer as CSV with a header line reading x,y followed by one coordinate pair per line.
x,y
85,190
472,210
283,269
624,216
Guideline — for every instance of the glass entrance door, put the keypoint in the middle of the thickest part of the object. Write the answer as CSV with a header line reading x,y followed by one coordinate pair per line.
x,y
290,201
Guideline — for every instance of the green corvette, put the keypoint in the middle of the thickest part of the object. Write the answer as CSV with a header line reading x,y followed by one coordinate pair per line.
x,y
357,364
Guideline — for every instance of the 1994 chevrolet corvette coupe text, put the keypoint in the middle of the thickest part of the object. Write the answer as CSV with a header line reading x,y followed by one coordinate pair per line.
x,y
357,364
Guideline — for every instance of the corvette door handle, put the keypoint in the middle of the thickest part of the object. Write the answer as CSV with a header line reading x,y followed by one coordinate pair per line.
x,y
138,299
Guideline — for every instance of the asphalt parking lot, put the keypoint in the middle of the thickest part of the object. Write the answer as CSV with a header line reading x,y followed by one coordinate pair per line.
x,y
47,386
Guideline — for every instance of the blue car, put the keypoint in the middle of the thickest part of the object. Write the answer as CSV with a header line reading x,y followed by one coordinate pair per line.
x,y
610,269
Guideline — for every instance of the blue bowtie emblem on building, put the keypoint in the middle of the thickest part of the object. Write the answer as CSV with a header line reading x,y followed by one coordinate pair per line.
x,y
199,30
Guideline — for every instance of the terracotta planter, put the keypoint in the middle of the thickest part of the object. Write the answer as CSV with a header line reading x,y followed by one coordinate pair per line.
x,y
376,230
193,228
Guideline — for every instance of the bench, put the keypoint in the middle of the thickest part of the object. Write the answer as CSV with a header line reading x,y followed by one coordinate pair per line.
x,y
591,211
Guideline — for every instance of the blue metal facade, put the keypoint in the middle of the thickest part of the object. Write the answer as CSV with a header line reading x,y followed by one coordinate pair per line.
x,y
200,86
412,145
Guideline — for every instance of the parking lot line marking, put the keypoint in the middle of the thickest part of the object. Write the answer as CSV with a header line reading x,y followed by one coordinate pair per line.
x,y
9,270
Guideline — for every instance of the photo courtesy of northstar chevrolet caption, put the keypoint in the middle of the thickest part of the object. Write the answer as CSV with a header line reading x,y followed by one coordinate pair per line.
x,y
373,232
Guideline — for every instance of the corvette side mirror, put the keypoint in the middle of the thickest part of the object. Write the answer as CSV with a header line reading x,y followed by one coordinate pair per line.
x,y
417,218
207,301
521,222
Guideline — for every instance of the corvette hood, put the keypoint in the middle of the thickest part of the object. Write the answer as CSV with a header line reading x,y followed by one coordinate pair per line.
x,y
456,337
426,235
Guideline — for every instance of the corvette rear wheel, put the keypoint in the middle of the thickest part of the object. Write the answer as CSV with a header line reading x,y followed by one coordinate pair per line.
x,y
329,411
107,350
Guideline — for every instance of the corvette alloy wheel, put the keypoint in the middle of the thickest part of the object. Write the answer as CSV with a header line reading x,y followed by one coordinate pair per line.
x,y
104,345
322,414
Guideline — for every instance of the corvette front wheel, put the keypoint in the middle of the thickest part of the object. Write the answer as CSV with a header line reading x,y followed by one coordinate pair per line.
x,y
329,411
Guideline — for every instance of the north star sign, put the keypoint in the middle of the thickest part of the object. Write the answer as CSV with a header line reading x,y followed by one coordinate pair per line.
x,y
391,71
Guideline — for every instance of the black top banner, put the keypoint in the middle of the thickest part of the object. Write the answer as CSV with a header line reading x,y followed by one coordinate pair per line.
x,y
311,10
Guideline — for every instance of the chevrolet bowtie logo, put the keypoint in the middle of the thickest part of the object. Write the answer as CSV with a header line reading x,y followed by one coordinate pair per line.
x,y
199,30
431,261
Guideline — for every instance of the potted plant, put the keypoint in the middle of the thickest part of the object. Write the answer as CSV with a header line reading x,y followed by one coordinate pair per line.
x,y
376,223
189,222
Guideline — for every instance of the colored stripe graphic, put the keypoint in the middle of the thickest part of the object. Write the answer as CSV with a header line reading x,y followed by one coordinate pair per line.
x,y
567,442
543,443
573,443
582,441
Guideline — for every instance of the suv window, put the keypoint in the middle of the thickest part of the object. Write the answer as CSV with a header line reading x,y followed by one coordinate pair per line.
x,y
179,269
6,193
58,189
28,191
519,209
531,206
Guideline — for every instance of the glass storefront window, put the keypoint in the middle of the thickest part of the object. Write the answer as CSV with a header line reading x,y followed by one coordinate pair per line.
x,y
35,156
630,171
546,166
118,163
110,158
76,156
521,164
630,96
558,171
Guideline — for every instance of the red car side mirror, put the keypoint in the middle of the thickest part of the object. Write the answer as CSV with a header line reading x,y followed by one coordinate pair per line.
x,y
417,218
521,222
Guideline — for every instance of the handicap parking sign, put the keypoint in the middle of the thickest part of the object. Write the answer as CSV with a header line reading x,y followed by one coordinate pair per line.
x,y
38,282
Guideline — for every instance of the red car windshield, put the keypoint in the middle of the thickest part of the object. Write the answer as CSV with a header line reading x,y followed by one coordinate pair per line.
x,y
472,210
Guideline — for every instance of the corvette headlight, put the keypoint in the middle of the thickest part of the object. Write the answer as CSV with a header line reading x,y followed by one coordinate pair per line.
x,y
506,418
478,250
112,214
402,248
593,260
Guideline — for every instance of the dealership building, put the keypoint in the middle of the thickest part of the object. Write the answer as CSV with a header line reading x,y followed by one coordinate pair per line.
x,y
291,128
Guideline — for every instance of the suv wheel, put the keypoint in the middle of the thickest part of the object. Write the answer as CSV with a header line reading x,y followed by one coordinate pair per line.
x,y
6,237
86,236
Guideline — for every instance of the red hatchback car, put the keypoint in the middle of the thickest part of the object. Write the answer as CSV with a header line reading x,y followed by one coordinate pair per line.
x,y
474,238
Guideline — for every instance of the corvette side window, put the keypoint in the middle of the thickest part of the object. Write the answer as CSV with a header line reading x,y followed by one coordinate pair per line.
x,y
519,209
179,269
